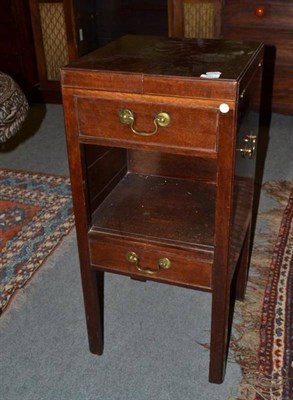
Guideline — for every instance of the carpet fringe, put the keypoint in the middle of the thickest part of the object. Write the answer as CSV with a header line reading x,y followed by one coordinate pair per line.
x,y
24,293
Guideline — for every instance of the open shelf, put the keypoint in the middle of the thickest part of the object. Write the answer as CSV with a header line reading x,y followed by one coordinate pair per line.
x,y
171,211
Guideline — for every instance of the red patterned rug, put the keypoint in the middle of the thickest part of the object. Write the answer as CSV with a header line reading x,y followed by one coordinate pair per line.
x,y
35,214
263,332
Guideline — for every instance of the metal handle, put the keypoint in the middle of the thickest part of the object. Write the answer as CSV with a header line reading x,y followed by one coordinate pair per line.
x,y
163,263
249,146
127,117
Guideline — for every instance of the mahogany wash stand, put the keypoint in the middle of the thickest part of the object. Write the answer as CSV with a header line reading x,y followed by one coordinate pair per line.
x,y
162,164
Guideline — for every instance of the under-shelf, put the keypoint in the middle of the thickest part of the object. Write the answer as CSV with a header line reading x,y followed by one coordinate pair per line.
x,y
169,211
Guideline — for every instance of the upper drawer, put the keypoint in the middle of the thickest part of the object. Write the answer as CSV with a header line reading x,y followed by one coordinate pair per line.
x,y
275,15
191,127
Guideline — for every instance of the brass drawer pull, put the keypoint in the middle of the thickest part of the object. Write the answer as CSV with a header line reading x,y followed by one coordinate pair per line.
x,y
163,263
127,117
249,146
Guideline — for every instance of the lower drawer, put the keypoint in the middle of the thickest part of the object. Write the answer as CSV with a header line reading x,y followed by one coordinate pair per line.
x,y
143,261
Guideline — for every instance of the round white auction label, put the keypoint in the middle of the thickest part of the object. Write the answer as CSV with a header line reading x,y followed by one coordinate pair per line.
x,y
224,108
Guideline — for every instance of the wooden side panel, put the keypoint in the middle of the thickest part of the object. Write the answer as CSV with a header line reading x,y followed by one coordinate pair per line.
x,y
105,167
170,165
244,169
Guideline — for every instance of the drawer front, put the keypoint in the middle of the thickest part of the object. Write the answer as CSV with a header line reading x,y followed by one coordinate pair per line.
x,y
190,127
273,14
136,260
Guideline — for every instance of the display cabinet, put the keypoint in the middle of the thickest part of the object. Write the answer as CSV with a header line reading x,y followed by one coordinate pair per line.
x,y
67,29
162,137
63,30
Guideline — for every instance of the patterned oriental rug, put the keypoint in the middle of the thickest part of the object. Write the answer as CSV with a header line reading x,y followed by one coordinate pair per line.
x,y
262,337
35,214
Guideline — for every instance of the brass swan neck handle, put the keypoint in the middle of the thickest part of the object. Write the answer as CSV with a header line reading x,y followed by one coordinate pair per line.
x,y
126,117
